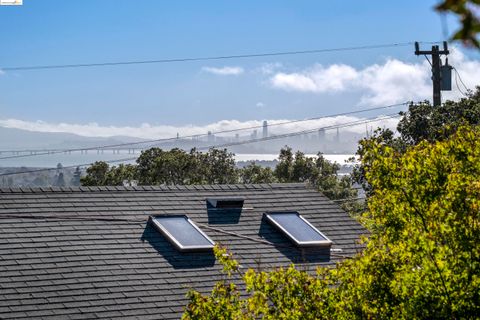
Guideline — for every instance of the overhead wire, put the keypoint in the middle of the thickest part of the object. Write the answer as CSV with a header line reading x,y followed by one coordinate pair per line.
x,y
42,152
457,74
456,84
285,135
348,124
209,58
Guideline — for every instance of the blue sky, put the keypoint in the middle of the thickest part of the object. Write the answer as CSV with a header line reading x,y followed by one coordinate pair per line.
x,y
62,32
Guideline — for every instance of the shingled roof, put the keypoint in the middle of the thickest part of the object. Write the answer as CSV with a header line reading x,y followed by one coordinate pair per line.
x,y
89,252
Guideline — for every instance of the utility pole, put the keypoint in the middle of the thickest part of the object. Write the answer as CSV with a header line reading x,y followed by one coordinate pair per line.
x,y
441,75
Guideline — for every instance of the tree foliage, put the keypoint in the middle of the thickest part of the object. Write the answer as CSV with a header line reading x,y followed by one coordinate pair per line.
x,y
278,294
426,122
101,174
96,174
157,167
421,259
467,11
318,171
422,122
254,173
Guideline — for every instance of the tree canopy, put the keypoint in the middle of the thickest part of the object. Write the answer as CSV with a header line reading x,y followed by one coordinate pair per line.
x,y
421,259
156,167
422,122
318,171
467,12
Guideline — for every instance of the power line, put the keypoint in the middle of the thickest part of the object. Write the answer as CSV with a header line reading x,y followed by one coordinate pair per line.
x,y
344,125
191,59
457,75
286,135
456,83
51,152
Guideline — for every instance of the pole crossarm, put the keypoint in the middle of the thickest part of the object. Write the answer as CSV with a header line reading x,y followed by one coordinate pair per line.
x,y
436,65
419,52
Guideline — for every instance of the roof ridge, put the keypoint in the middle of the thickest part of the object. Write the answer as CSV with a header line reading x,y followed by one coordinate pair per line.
x,y
203,187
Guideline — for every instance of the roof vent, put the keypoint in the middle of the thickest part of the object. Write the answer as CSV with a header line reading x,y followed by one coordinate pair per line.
x,y
226,203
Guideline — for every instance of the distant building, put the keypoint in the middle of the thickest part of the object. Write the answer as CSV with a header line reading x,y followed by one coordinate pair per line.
x,y
211,137
265,129
321,134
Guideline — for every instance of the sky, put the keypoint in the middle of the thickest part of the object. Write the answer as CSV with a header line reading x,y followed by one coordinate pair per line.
x,y
157,100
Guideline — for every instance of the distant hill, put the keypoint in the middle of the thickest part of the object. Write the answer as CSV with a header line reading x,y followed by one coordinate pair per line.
x,y
17,139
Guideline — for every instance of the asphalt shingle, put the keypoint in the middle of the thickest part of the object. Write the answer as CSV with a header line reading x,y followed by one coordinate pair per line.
x,y
90,253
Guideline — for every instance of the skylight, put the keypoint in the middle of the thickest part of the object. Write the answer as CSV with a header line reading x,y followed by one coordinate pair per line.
x,y
298,229
182,233
226,203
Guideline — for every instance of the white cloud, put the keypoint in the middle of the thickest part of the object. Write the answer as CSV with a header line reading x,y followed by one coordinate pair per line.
x,y
378,84
394,81
148,131
316,79
269,68
224,71
260,105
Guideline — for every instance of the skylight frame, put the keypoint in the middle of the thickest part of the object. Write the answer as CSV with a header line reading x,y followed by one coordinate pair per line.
x,y
174,241
313,243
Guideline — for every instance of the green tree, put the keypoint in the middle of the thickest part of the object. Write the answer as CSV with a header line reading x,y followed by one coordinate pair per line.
x,y
284,167
421,258
218,166
422,122
101,174
146,166
426,122
253,173
318,171
156,166
96,174
467,11
121,174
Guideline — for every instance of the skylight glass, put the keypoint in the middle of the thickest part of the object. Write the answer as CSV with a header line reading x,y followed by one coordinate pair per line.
x,y
182,233
298,229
